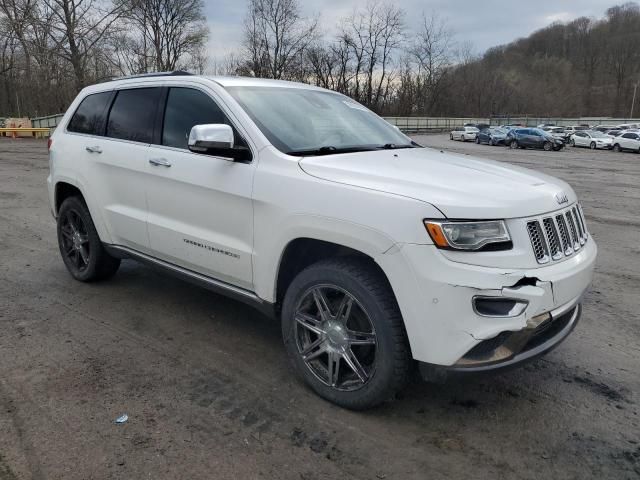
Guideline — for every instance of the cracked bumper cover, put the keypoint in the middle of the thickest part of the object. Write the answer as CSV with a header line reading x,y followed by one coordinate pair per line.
x,y
436,301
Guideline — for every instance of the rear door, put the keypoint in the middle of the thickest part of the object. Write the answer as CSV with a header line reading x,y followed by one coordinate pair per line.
x,y
121,167
200,206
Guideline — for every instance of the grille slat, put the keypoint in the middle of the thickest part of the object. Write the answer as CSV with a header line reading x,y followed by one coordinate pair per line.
x,y
552,238
578,225
572,230
540,249
557,237
564,235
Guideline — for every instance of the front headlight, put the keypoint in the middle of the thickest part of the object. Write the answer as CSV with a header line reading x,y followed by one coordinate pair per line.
x,y
484,235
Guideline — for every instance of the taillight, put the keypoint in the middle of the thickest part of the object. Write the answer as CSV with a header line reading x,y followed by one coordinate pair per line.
x,y
49,143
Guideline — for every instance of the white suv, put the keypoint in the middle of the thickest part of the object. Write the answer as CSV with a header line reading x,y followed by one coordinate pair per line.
x,y
375,253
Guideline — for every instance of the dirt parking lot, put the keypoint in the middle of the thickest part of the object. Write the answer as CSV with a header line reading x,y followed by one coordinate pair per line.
x,y
209,394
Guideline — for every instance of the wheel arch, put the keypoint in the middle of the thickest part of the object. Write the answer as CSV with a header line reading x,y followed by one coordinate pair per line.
x,y
302,252
65,188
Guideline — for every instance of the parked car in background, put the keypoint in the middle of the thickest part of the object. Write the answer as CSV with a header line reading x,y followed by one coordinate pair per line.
x,y
592,139
482,126
557,132
545,125
628,126
492,136
614,133
574,128
533,138
628,141
604,128
464,133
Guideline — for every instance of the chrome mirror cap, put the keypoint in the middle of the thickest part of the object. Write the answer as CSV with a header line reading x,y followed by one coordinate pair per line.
x,y
210,136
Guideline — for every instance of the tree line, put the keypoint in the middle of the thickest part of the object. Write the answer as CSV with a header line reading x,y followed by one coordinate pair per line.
x,y
52,48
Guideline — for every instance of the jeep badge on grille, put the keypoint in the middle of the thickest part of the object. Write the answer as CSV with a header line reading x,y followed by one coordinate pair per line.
x,y
562,198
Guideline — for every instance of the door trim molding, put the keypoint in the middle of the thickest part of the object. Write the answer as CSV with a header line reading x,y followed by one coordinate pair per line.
x,y
218,286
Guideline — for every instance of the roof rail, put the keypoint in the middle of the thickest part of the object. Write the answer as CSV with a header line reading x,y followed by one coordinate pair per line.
x,y
155,74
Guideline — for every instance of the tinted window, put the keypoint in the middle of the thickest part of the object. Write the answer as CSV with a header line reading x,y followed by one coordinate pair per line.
x,y
132,114
628,135
90,115
187,107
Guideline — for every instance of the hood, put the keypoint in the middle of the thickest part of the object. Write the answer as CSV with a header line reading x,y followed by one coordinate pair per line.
x,y
460,186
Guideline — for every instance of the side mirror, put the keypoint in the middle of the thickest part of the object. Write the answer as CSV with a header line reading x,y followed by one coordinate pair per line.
x,y
217,139
205,137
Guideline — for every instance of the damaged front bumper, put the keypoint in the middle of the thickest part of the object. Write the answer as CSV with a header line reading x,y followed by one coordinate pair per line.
x,y
452,322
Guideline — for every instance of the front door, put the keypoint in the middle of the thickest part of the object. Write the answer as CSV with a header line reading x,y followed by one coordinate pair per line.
x,y
200,211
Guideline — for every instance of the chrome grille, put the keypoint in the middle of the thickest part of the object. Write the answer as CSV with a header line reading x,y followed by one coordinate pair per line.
x,y
556,237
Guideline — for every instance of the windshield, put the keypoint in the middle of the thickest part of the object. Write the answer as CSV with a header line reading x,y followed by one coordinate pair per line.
x,y
301,121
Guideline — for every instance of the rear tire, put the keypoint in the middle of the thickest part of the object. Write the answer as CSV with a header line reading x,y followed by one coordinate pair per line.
x,y
462,138
477,141
382,367
547,146
82,251
514,145
451,136
573,142
616,148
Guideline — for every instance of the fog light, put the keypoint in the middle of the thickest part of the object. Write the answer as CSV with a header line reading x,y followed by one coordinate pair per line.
x,y
498,306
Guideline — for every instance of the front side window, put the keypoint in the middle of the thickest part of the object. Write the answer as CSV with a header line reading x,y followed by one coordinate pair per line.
x,y
301,121
89,118
133,114
185,108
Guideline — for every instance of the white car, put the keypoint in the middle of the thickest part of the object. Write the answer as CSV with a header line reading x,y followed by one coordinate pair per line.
x,y
570,130
592,139
557,132
628,141
374,252
464,133
628,126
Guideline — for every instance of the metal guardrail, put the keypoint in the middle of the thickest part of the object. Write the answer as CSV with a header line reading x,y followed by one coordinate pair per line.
x,y
50,121
434,124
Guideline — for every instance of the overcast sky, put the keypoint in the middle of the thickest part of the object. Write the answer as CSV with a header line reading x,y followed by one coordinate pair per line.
x,y
485,23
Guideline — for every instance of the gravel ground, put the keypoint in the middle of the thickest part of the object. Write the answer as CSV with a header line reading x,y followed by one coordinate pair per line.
x,y
209,393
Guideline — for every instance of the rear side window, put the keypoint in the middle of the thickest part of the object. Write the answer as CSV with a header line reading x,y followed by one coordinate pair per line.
x,y
185,108
133,114
90,115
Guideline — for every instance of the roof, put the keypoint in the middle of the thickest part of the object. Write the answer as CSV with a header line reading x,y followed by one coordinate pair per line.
x,y
224,81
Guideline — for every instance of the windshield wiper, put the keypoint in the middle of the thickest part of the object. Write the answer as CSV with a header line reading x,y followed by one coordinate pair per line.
x,y
394,146
330,150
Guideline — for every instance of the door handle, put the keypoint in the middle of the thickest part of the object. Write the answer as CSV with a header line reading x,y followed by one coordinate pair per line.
x,y
95,149
159,162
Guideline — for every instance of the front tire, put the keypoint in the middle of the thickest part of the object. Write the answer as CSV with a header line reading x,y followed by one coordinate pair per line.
x,y
514,145
462,138
82,251
616,148
344,334
573,142
547,146
451,136
592,146
477,140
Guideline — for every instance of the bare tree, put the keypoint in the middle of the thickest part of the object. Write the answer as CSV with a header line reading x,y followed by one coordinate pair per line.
x,y
77,27
432,53
276,38
166,34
